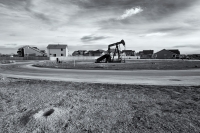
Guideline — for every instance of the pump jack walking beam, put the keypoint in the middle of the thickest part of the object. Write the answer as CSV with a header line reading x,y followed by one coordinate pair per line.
x,y
108,56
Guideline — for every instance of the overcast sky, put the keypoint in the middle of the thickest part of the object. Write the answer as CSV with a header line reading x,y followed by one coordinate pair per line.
x,y
93,24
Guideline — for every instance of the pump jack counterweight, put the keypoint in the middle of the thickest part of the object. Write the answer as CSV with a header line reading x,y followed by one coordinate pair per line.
x,y
108,58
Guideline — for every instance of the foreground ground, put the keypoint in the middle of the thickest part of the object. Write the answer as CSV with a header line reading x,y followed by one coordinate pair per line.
x,y
129,65
49,106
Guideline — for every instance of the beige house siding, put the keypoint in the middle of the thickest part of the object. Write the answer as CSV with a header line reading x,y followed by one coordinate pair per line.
x,y
57,52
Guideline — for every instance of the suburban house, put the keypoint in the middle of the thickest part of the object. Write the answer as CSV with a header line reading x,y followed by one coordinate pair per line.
x,y
128,52
57,50
79,53
167,54
30,51
75,53
96,52
194,56
146,54
88,53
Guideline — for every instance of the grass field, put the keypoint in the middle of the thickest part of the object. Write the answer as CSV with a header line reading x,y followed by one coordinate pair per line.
x,y
129,65
6,61
46,106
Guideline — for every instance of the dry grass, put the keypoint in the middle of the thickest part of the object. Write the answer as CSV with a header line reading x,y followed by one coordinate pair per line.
x,y
6,61
130,65
46,106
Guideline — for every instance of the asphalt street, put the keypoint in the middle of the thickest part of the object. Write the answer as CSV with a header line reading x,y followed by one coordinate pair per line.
x,y
140,77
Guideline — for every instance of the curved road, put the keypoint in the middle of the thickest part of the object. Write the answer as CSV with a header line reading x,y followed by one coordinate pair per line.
x,y
142,77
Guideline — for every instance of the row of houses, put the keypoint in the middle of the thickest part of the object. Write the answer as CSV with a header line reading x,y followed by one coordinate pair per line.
x,y
62,50
58,50
145,54
100,52
162,54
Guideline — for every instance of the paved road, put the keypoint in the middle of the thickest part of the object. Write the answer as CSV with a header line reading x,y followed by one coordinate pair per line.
x,y
142,77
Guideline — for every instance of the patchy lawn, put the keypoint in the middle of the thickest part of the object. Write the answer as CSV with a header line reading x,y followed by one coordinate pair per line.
x,y
6,61
47,106
130,65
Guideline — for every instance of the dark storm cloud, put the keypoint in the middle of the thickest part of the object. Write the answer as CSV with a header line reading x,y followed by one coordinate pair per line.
x,y
92,38
27,5
153,11
12,3
157,6
39,15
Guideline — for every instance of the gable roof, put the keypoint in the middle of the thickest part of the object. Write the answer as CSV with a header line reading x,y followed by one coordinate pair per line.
x,y
147,52
81,50
176,51
34,48
56,46
173,51
128,51
96,51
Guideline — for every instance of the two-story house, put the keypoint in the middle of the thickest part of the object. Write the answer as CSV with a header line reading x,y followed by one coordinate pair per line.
x,y
57,50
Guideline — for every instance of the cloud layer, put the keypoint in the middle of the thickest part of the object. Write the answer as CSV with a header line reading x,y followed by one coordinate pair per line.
x,y
143,24
92,38
130,12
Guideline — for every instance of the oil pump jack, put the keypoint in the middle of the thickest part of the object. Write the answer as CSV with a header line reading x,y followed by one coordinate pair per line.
x,y
108,58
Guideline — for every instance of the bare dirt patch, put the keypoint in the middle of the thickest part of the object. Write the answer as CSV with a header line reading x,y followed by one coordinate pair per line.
x,y
47,106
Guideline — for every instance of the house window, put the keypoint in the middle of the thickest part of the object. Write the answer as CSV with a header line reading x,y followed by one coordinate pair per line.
x,y
173,55
61,54
54,55
61,49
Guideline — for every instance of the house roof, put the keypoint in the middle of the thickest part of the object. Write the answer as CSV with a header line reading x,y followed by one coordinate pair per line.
x,y
147,52
101,50
173,51
81,50
97,51
176,51
24,46
34,48
56,46
128,51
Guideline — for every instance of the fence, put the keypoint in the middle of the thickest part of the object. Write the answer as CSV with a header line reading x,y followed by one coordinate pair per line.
x,y
72,58
86,58
24,58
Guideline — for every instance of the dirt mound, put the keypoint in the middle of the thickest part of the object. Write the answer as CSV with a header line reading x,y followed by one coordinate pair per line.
x,y
48,120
